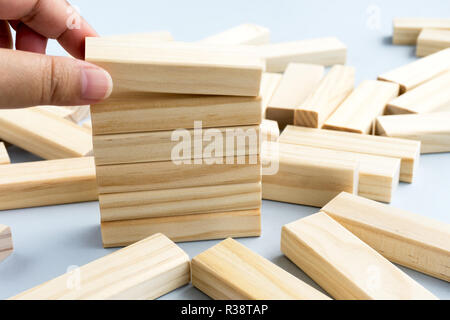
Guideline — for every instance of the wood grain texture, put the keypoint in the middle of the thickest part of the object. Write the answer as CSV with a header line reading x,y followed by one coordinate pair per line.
x,y
184,228
359,111
177,202
431,129
230,271
244,34
144,36
343,265
138,66
269,130
50,182
411,240
163,112
407,30
406,150
145,270
326,98
73,113
269,83
431,41
44,134
4,157
420,71
298,82
6,242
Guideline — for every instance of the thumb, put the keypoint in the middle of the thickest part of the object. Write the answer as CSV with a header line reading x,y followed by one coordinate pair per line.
x,y
30,79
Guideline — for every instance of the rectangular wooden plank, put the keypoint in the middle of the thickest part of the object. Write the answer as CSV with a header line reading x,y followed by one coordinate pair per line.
x,y
44,134
343,265
406,150
6,242
197,227
407,30
411,240
359,111
420,71
298,82
231,271
139,66
326,97
163,112
145,270
244,34
41,183
431,129
143,36
269,83
431,41
269,130
177,202
4,157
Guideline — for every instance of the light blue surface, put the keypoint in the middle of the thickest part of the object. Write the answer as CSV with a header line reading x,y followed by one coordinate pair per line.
x,y
49,240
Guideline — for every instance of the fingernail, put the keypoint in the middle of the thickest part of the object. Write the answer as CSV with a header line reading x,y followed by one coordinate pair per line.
x,y
96,83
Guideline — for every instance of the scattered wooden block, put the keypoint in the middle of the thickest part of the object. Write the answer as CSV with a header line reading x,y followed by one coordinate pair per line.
x,y
184,228
407,30
431,41
431,129
145,270
326,98
4,157
418,72
176,67
6,243
145,36
343,265
42,183
359,111
44,134
298,82
244,34
162,112
269,130
269,83
414,241
230,271
406,150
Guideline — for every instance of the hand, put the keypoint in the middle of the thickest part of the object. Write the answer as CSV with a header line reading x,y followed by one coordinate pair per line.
x,y
28,77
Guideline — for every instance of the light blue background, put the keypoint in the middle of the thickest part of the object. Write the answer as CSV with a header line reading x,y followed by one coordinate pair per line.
x,y
51,239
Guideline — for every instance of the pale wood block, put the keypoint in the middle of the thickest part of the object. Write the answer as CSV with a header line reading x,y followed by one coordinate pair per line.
x,y
144,36
411,240
326,98
173,175
4,157
406,150
177,202
162,112
145,270
432,96
269,130
160,145
298,82
420,71
139,66
231,271
269,83
343,265
44,134
359,111
6,243
51,182
431,41
407,30
244,34
207,226
305,179
431,129
72,113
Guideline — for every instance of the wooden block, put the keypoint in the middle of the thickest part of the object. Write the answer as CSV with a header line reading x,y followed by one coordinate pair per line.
x,y
298,82
44,134
359,111
145,270
41,183
156,36
322,51
4,157
308,180
184,228
244,34
431,129
326,98
407,30
269,130
269,83
432,96
161,145
418,72
6,243
162,112
138,66
343,265
431,41
230,271
177,202
406,150
74,113
411,240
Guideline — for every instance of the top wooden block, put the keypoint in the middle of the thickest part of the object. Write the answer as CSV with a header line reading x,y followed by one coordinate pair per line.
x,y
173,67
246,34
406,30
